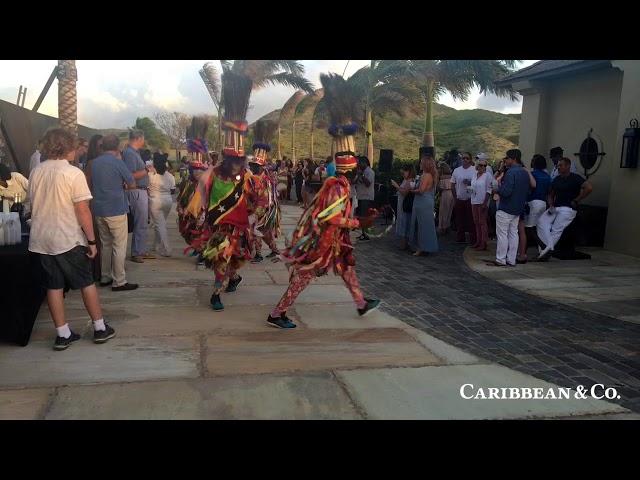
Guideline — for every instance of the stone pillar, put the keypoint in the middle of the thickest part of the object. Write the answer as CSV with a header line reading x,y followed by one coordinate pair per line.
x,y
533,135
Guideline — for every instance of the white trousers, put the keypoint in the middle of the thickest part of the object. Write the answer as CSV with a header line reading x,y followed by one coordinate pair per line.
x,y
551,225
507,233
536,209
113,239
160,207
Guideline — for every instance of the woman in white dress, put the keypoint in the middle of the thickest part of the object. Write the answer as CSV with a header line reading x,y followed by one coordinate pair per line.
x,y
162,185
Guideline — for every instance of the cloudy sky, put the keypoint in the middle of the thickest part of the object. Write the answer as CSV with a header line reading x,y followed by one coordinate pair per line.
x,y
112,93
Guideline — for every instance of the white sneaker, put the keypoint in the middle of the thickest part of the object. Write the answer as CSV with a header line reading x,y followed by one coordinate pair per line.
x,y
545,254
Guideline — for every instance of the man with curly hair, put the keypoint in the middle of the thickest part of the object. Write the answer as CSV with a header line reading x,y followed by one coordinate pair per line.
x,y
62,234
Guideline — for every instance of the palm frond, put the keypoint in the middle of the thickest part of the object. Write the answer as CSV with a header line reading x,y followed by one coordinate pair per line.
x,y
211,79
290,105
309,101
236,91
265,68
286,79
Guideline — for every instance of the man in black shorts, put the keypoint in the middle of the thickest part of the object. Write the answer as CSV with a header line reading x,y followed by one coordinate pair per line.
x,y
62,234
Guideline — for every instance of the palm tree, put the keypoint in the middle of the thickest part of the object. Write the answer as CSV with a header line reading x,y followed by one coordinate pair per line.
x,y
386,86
435,77
67,95
287,109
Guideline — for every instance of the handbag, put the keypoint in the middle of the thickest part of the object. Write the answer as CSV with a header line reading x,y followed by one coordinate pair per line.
x,y
407,203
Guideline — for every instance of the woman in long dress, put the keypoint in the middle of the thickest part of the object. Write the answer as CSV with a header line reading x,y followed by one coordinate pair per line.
x,y
403,218
446,199
422,233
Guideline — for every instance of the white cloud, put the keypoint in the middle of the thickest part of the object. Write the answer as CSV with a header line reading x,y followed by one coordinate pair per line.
x,y
112,93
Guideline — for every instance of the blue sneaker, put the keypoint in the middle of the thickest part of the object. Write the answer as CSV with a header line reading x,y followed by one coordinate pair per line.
x,y
280,322
216,303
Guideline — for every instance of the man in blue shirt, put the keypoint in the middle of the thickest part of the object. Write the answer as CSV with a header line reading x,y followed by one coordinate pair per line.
x,y
138,197
537,200
513,193
109,175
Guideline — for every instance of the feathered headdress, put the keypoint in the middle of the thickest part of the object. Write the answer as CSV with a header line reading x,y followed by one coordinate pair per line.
x,y
196,134
236,91
340,101
263,131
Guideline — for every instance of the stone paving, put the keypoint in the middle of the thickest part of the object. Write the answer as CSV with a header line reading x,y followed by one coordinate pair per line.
x,y
555,342
608,284
174,358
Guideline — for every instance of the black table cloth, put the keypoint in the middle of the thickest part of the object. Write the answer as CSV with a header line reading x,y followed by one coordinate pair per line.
x,y
21,292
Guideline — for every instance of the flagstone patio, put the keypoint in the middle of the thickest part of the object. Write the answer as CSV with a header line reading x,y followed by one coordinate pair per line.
x,y
174,358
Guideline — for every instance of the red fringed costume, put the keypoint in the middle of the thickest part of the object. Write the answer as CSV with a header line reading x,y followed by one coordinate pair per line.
x,y
321,241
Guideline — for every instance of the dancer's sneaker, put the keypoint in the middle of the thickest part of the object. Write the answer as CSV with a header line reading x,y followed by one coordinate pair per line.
x,y
281,322
216,303
372,304
545,255
102,336
272,254
257,259
62,343
233,284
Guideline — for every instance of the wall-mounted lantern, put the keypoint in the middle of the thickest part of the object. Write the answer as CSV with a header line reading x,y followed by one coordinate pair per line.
x,y
630,146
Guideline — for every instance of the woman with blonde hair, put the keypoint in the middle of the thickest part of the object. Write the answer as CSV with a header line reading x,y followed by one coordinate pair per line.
x,y
422,233
446,198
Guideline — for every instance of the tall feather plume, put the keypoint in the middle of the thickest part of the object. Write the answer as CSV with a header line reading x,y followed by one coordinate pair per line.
x,y
236,91
340,100
264,131
199,126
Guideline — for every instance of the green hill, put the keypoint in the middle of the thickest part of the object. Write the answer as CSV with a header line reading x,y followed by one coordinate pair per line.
x,y
467,130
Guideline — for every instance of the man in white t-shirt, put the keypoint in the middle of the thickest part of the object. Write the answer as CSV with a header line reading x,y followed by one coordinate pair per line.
x,y
62,234
461,180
